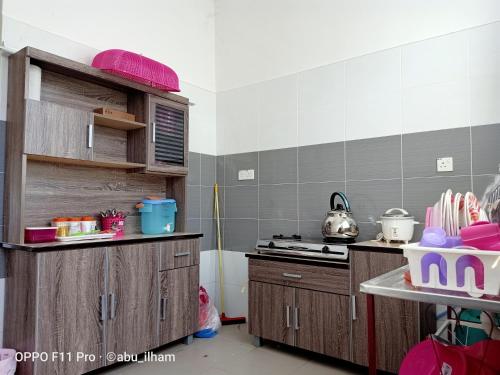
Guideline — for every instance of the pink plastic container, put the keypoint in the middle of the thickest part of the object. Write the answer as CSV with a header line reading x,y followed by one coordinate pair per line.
x,y
137,68
482,235
115,224
40,234
8,362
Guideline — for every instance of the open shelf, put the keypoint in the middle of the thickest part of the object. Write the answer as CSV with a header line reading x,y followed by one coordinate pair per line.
x,y
116,123
87,163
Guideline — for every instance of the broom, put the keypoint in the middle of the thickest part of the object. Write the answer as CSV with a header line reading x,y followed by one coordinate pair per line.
x,y
225,320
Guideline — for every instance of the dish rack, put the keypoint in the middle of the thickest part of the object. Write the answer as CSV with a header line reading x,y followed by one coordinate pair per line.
x,y
476,272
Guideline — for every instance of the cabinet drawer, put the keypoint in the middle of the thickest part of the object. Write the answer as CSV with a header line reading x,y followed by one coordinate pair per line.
x,y
181,253
326,279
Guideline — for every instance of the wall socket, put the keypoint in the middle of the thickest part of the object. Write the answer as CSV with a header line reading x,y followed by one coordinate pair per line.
x,y
246,174
445,164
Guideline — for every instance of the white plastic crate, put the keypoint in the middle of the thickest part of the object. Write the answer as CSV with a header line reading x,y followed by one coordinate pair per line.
x,y
476,272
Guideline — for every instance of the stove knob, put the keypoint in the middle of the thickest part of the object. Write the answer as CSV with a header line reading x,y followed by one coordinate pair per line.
x,y
271,244
325,249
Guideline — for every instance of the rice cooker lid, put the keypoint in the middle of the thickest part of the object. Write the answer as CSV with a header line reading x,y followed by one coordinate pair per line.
x,y
397,213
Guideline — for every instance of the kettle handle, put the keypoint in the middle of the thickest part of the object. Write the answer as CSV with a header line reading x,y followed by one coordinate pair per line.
x,y
344,200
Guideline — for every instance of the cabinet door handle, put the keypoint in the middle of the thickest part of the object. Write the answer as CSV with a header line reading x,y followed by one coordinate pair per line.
x,y
186,253
102,308
353,307
288,316
112,311
90,136
153,136
292,275
296,318
163,308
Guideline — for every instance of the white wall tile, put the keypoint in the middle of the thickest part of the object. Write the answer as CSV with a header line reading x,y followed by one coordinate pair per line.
x,y
441,59
236,301
278,113
206,268
485,100
4,69
237,120
235,268
322,105
436,106
373,84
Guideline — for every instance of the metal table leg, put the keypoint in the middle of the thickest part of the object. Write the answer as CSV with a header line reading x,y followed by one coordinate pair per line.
x,y
372,348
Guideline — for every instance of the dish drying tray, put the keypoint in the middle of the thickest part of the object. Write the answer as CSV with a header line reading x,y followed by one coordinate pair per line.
x,y
86,237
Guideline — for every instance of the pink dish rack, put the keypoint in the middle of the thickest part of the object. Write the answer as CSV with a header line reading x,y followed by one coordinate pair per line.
x,y
137,68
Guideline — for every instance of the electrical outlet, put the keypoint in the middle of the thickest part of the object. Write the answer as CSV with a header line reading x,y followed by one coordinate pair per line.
x,y
246,174
445,164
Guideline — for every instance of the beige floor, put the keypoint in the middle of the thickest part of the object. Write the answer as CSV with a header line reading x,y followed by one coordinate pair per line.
x,y
232,352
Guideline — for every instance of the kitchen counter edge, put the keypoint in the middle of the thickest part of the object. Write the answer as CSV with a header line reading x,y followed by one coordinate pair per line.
x,y
123,240
376,246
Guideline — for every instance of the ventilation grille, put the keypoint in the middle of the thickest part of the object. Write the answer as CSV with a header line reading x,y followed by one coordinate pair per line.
x,y
169,137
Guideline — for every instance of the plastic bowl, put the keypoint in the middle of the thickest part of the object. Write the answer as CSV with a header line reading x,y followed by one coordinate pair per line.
x,y
433,237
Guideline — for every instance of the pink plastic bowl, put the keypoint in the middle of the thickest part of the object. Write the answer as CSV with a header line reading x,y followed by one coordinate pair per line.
x,y
482,235
137,68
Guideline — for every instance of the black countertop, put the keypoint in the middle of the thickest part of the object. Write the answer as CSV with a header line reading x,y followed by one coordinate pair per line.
x,y
123,240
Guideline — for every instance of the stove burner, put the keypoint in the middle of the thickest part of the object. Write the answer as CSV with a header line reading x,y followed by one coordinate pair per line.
x,y
334,240
295,237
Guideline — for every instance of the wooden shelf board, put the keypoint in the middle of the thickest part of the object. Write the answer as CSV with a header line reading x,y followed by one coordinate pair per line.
x,y
117,123
87,163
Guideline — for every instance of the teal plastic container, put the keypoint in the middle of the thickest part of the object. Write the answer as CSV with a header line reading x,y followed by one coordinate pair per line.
x,y
158,216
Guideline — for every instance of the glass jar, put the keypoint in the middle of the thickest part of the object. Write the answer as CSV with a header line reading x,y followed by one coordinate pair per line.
x,y
62,224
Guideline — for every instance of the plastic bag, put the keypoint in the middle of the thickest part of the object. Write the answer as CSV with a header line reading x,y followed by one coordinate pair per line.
x,y
208,321
7,361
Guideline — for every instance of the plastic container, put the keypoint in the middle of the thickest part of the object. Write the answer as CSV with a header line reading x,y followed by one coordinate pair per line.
x,y
74,225
158,216
8,362
113,223
483,235
39,234
62,225
476,272
88,224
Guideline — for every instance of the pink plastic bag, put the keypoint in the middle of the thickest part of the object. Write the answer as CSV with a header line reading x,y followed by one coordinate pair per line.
x,y
137,68
208,316
7,361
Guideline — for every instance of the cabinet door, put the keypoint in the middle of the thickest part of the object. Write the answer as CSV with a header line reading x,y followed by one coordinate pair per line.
x,y
168,138
396,321
132,298
270,311
321,323
57,131
178,303
71,284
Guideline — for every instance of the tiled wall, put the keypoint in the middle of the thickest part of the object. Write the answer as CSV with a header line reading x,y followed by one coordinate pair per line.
x,y
2,178
293,185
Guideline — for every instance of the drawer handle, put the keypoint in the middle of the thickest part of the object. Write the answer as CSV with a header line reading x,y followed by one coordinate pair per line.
x,y
353,306
90,136
163,312
102,303
288,316
292,275
112,312
186,253
296,318
153,136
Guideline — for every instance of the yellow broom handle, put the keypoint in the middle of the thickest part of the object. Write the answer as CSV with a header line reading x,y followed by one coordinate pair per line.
x,y
219,247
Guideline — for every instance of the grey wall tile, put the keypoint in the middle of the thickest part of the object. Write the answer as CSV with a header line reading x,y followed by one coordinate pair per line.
x,y
370,199
240,235
278,166
368,231
208,229
237,162
420,193
208,170
485,149
421,150
319,163
481,183
222,202
241,202
194,177
193,202
314,199
207,202
219,173
278,201
2,145
374,158
267,228
193,225
3,272
310,229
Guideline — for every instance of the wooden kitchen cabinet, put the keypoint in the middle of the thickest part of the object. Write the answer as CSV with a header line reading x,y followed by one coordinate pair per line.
x,y
132,298
57,131
270,309
178,303
396,321
167,150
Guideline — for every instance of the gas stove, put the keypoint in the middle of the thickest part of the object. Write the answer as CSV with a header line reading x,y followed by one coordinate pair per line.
x,y
295,246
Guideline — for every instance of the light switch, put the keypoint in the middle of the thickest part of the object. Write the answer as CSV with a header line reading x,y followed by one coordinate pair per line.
x,y
445,164
246,174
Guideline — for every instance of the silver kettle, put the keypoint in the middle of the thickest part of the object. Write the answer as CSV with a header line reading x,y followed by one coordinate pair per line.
x,y
339,223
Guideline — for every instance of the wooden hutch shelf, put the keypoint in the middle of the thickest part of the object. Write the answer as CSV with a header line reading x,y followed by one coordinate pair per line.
x,y
116,123
87,163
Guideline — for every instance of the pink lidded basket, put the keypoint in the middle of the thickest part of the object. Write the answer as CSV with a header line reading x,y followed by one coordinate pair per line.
x,y
115,224
137,68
